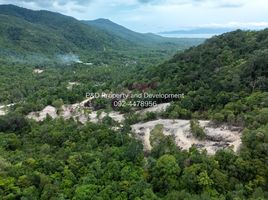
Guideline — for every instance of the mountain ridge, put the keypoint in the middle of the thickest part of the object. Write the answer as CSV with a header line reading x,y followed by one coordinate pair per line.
x,y
140,38
208,30
27,33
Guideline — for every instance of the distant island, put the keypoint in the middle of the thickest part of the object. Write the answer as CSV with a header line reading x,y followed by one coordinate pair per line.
x,y
197,32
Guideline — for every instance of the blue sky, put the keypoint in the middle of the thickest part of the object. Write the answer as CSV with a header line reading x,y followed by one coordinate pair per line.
x,y
161,15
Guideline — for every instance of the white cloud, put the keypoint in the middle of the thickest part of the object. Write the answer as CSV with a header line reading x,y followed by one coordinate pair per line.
x,y
161,15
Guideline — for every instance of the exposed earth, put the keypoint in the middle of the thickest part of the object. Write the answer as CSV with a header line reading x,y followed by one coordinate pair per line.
x,y
76,111
217,137
38,71
4,109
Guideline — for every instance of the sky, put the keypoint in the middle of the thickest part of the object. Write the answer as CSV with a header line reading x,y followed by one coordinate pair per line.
x,y
161,15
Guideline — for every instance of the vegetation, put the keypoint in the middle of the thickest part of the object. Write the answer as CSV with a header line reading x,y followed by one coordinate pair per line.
x,y
60,159
219,78
197,130
224,79
144,40
43,37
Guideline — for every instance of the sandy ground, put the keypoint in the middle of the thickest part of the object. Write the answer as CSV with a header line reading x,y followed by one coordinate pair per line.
x,y
157,109
76,111
116,116
79,112
4,108
40,116
2,112
217,137
38,71
71,84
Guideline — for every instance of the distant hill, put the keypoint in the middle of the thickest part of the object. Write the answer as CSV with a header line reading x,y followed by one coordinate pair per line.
x,y
25,31
40,36
200,31
143,39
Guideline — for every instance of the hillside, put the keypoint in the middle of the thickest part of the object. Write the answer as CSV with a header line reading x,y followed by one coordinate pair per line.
x,y
70,151
102,128
39,36
27,32
143,39
224,79
234,62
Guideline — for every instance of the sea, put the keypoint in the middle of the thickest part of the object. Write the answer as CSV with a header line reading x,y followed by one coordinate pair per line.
x,y
189,35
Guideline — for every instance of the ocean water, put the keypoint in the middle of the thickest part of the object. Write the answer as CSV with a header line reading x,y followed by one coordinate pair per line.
x,y
189,35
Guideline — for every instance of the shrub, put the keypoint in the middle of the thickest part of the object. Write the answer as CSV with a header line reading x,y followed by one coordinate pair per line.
x,y
197,130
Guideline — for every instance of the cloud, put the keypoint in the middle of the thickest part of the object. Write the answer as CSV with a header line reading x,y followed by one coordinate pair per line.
x,y
145,1
158,15
47,4
230,5
60,2
251,25
119,3
215,3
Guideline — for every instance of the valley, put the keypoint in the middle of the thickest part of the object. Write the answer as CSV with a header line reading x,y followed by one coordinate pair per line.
x,y
201,135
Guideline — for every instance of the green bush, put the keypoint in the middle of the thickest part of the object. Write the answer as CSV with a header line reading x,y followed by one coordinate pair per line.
x,y
197,130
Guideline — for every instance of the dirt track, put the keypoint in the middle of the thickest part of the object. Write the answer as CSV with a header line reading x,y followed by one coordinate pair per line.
x,y
217,137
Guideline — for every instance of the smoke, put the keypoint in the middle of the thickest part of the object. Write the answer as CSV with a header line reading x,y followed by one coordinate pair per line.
x,y
69,58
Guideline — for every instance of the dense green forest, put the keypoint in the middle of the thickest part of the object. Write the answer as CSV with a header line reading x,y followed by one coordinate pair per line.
x,y
225,79
43,37
60,159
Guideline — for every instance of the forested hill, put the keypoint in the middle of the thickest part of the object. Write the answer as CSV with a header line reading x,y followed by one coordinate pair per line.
x,y
40,35
26,31
235,62
144,39
222,78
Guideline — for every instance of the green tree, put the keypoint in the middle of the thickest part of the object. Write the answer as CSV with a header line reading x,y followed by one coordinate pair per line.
x,y
165,174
